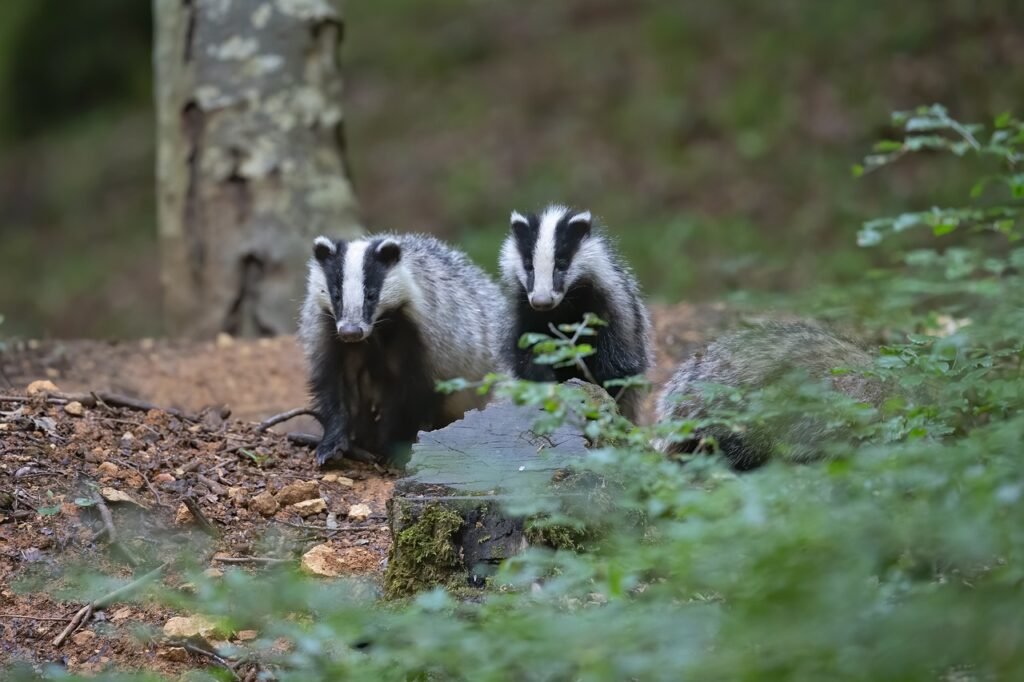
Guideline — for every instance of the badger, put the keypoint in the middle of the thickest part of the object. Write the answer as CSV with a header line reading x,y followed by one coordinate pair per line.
x,y
759,357
556,267
383,320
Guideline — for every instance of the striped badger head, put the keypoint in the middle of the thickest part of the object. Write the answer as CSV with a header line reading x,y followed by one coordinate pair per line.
x,y
356,281
541,253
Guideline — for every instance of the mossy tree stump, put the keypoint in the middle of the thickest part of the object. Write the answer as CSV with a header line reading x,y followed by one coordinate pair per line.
x,y
449,520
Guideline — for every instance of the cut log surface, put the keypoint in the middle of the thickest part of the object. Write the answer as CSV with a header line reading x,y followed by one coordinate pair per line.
x,y
474,468
491,451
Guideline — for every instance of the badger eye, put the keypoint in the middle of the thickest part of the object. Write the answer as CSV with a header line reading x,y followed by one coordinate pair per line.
x,y
528,266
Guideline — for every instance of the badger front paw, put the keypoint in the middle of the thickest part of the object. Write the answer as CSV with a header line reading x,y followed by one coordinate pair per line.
x,y
331,447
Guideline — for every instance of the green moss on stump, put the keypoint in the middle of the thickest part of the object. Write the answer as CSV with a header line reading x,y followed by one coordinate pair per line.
x,y
424,554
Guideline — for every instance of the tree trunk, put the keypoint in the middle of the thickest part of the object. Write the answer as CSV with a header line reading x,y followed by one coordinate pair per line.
x,y
251,158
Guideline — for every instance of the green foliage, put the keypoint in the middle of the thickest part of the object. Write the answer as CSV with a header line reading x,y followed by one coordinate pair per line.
x,y
898,558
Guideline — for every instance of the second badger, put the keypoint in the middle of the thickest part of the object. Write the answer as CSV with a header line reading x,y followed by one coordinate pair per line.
x,y
555,268
383,320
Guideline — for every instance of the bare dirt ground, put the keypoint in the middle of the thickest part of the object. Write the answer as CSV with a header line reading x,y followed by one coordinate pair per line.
x,y
259,498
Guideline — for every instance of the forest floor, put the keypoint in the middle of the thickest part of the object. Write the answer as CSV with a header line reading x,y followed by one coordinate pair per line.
x,y
116,487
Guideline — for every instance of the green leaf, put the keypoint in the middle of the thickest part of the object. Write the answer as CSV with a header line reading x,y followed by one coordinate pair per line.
x,y
49,511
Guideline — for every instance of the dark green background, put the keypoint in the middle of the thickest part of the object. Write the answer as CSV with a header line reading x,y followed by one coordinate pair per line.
x,y
714,138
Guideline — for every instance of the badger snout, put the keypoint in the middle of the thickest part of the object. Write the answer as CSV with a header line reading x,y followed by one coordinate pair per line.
x,y
544,301
351,332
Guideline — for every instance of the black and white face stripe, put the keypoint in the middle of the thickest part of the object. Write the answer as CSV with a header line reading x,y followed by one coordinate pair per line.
x,y
546,245
354,274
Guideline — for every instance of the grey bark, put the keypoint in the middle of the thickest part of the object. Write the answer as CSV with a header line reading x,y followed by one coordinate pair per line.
x,y
251,158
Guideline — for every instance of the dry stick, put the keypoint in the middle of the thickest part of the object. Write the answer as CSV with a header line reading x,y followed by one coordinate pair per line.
x,y
354,452
200,517
92,398
285,416
145,479
201,651
105,600
46,618
252,560
108,519
214,487
111,532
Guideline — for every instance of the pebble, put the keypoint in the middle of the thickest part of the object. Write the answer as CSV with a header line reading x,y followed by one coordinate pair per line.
x,y
74,408
310,507
108,469
264,504
359,512
299,491
83,638
189,626
322,560
42,386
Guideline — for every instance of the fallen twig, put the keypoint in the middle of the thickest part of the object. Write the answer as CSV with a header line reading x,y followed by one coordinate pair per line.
x,y
252,560
354,452
44,618
285,416
145,479
215,488
93,398
87,610
198,648
107,517
200,517
306,439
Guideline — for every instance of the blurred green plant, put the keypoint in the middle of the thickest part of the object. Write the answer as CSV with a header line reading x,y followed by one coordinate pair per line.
x,y
899,558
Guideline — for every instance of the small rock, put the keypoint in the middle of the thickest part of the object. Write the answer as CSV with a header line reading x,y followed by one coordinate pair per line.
x,y
213,573
83,638
309,507
264,504
337,478
175,654
115,495
42,386
121,614
225,340
322,560
74,408
147,344
359,512
300,491
108,469
246,635
190,626
163,477
236,494
97,454
183,517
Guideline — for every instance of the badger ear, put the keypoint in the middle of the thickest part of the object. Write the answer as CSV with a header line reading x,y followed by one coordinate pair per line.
x,y
389,252
323,248
579,224
520,225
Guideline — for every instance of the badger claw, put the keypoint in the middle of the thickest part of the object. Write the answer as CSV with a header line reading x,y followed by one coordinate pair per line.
x,y
330,448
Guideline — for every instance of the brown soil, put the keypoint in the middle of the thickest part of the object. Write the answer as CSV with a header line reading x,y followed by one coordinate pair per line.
x,y
52,462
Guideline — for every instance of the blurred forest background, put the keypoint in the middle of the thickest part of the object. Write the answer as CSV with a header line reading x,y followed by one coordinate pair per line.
x,y
714,138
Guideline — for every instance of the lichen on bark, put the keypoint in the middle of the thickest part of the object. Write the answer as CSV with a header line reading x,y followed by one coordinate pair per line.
x,y
251,158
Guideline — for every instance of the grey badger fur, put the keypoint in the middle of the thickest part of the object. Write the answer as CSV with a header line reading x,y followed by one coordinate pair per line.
x,y
756,358
555,267
384,318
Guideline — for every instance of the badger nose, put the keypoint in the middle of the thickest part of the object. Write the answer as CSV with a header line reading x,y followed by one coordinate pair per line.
x,y
349,332
542,301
